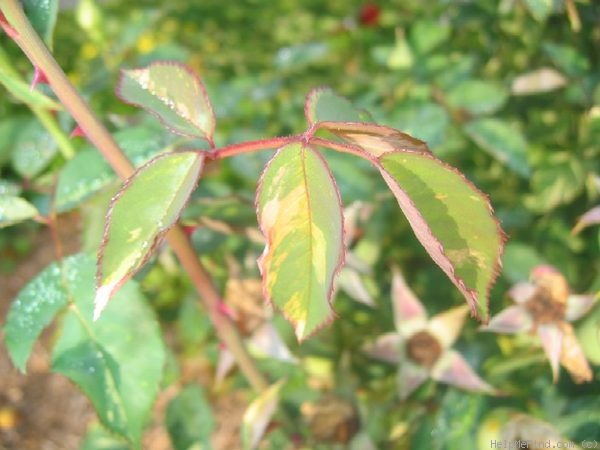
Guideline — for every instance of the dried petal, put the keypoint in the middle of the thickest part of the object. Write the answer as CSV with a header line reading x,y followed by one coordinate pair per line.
x,y
224,365
446,326
591,217
514,319
572,356
521,292
410,377
552,340
550,279
578,306
453,369
409,313
387,347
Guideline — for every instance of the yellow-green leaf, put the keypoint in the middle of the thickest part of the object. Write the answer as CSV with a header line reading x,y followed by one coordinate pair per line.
x,y
300,216
174,94
452,220
141,213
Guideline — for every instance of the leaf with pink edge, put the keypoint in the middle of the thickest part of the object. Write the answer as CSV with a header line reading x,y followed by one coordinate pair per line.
x,y
299,212
451,218
174,94
145,208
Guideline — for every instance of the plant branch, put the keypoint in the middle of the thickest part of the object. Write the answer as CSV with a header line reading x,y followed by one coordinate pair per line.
x,y
26,37
252,146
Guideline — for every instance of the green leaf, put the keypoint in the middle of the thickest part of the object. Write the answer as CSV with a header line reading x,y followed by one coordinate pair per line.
x,y
34,308
426,35
42,15
452,220
13,82
88,171
558,182
300,215
567,58
540,9
324,105
190,420
14,210
518,260
97,438
33,150
147,206
174,94
503,142
118,361
477,96
258,415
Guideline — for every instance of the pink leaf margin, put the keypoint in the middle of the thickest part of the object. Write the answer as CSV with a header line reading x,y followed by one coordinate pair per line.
x,y
342,258
112,289
195,77
432,245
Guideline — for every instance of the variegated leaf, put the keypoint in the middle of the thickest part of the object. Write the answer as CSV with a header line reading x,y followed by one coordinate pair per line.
x,y
452,220
299,213
174,94
141,213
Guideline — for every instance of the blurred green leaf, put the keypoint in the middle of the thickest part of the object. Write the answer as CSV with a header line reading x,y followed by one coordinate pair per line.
x,y
97,438
556,183
14,210
300,215
426,35
117,365
34,309
540,9
567,58
190,420
141,213
14,83
478,96
518,260
42,15
88,172
502,141
33,150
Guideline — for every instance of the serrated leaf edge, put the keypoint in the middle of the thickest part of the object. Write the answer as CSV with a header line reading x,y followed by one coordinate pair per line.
x,y
104,292
332,315
118,91
469,293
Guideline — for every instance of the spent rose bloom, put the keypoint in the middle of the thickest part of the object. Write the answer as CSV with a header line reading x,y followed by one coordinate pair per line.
x,y
545,306
423,347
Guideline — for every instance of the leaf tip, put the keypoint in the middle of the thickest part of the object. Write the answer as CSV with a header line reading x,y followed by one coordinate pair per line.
x,y
103,295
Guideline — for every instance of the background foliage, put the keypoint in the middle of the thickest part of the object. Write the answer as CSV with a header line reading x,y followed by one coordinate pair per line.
x,y
463,76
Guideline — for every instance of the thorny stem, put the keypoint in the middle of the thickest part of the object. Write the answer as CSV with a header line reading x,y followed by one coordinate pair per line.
x,y
95,131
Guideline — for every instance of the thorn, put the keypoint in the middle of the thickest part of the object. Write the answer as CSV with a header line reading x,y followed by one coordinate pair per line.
x,y
224,309
39,77
222,346
77,132
189,229
8,29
